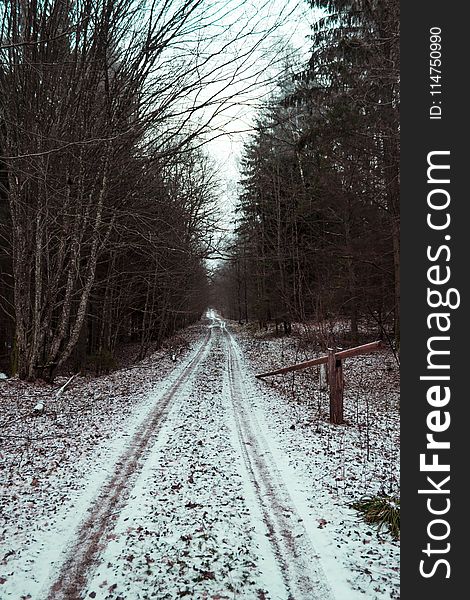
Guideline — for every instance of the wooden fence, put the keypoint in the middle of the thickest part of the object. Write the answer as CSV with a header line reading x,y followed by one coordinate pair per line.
x,y
334,363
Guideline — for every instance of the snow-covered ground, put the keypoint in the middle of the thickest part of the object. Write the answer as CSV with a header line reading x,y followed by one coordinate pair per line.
x,y
52,465
193,479
336,465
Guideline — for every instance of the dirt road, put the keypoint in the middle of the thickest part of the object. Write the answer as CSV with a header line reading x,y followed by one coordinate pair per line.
x,y
198,505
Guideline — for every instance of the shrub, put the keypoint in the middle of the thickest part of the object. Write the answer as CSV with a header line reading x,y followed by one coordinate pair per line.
x,y
383,511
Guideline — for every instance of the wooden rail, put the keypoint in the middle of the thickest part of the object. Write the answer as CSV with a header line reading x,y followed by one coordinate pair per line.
x,y
322,360
334,360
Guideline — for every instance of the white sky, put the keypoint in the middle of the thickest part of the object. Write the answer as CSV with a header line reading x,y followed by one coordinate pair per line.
x,y
227,149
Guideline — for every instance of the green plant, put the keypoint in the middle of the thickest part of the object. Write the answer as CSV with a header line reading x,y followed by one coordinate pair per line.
x,y
383,511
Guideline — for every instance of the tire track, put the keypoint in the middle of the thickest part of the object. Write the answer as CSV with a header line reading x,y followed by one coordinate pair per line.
x,y
299,565
90,539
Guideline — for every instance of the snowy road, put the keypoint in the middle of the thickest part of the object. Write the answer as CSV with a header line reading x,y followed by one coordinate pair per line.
x,y
253,544
199,502
295,556
85,553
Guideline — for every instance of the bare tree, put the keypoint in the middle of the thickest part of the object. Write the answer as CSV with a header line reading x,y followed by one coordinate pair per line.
x,y
97,97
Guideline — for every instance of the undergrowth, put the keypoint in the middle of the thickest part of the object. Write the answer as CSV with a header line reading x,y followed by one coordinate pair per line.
x,y
383,511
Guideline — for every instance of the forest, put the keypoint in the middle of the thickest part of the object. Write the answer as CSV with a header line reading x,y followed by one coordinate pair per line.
x,y
318,222
108,200
199,299
106,197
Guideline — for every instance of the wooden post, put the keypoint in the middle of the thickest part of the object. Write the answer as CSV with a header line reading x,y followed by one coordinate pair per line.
x,y
336,383
334,372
